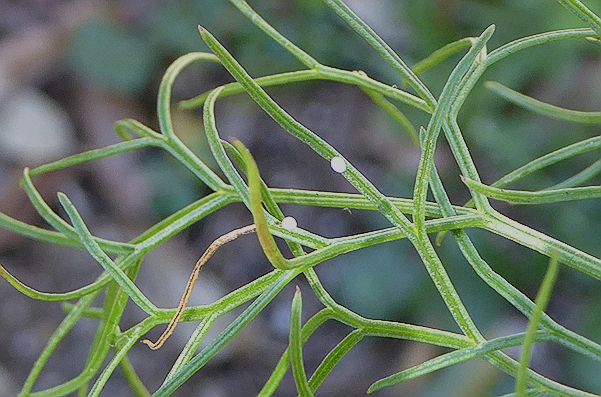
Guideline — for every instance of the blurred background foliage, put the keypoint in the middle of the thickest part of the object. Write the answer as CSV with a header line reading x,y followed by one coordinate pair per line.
x,y
106,63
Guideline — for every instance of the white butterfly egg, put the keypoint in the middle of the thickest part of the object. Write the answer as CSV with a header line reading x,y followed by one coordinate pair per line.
x,y
289,223
338,164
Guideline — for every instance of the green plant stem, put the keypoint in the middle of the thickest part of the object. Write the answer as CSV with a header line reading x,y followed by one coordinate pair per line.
x,y
548,246
445,360
324,73
133,379
394,112
425,169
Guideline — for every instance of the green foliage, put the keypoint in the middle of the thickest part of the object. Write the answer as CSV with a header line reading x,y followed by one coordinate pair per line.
x,y
415,219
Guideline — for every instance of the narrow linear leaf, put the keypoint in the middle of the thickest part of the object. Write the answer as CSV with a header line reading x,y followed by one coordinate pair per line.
x,y
283,278
430,136
180,220
103,259
45,296
543,108
96,154
537,39
354,201
59,224
61,331
282,366
568,338
413,219
296,346
333,358
181,151
110,368
385,51
218,150
581,177
270,204
114,304
426,171
521,302
548,159
266,240
542,299
132,378
546,245
90,312
193,344
441,54
164,96
289,46
267,198
383,328
582,12
100,282
320,70
394,112
449,359
37,233
538,197
324,73
285,78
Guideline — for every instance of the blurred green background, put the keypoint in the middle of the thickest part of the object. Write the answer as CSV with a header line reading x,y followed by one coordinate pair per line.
x,y
102,61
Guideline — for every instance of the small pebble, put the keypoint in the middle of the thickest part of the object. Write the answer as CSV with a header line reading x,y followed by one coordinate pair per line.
x,y
338,164
289,223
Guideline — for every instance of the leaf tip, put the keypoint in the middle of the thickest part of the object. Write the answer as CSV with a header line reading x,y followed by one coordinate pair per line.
x,y
62,197
439,238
